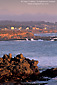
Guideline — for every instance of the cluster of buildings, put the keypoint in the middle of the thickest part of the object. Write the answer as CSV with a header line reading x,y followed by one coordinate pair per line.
x,y
40,27
22,31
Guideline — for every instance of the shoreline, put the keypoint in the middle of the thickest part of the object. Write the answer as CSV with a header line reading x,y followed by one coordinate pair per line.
x,y
49,38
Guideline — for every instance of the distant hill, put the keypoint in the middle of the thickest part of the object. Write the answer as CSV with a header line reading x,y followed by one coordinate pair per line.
x,y
24,24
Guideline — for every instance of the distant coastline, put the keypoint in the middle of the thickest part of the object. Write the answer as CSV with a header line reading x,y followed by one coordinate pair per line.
x,y
12,30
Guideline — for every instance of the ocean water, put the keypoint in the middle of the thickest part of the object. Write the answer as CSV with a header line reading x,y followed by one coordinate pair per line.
x,y
43,51
46,34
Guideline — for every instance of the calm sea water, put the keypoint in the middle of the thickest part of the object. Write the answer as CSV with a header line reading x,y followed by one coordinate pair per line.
x,y
46,34
43,51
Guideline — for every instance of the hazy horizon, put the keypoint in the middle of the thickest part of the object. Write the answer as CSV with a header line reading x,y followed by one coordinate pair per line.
x,y
17,11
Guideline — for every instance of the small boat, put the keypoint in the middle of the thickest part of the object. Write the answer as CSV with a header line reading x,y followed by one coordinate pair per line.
x,y
26,39
54,39
40,40
32,39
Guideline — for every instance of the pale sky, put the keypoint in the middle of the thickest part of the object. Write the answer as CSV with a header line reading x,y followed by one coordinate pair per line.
x,y
15,10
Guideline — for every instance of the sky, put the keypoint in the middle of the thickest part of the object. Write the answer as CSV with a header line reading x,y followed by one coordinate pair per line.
x,y
25,10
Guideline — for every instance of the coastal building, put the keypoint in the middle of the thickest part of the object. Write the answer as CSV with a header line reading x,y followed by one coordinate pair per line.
x,y
12,28
15,28
19,28
45,28
5,28
33,28
27,28
37,28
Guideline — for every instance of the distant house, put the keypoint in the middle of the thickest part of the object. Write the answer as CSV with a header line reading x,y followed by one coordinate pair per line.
x,y
12,28
15,28
37,28
20,28
44,28
33,28
27,28
5,28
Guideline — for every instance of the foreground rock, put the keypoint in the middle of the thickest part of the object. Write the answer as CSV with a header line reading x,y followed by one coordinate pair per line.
x,y
18,69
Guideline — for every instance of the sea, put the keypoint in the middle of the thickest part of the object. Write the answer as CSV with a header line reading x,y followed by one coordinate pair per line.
x,y
43,51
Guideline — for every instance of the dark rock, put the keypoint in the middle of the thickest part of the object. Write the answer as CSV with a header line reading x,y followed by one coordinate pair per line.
x,y
20,56
49,73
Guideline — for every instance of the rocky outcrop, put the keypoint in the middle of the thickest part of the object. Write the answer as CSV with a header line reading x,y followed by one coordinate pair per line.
x,y
18,68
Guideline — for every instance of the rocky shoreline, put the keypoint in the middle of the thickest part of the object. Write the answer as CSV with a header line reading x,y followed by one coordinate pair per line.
x,y
20,69
48,38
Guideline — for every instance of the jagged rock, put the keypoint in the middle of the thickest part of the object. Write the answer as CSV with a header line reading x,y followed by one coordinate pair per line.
x,y
20,56
10,55
1,61
5,56
17,68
